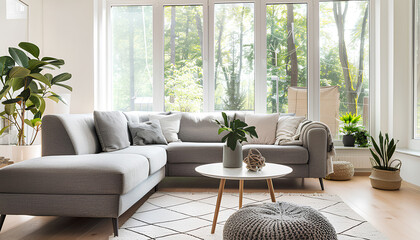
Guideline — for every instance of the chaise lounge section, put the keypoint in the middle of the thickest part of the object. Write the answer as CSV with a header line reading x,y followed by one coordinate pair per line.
x,y
74,178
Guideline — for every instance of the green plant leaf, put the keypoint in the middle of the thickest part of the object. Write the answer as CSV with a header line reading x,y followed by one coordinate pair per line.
x,y
12,101
239,123
19,72
9,108
4,91
42,106
36,122
224,138
40,78
25,94
30,48
376,158
61,78
65,86
48,59
231,143
35,64
29,123
6,63
376,147
17,83
35,100
225,119
4,129
19,56
38,115
30,107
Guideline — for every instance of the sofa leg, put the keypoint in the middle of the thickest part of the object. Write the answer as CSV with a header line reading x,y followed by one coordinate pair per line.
x,y
156,188
115,226
2,221
321,181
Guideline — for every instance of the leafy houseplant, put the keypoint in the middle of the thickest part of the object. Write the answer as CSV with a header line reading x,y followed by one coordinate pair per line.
x,y
362,137
349,128
384,175
237,132
24,88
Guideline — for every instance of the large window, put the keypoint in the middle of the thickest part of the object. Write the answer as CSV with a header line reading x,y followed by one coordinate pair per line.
x,y
263,56
234,56
287,64
344,61
183,58
132,57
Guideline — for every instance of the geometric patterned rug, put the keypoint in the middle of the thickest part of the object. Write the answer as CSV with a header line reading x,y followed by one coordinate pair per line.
x,y
186,215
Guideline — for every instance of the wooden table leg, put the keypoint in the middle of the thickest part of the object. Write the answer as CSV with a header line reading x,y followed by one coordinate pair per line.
x,y
270,187
241,192
219,199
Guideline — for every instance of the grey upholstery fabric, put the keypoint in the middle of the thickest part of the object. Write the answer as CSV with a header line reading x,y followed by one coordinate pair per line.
x,y
280,154
199,127
112,130
83,174
146,133
317,145
155,154
67,205
281,220
129,199
69,134
192,152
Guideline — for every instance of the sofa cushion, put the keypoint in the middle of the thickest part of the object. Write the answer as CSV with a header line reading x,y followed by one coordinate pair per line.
x,y
112,130
265,126
193,152
146,133
169,124
200,127
81,174
280,154
155,154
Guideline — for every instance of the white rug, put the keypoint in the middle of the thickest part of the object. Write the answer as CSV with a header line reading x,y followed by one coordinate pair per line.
x,y
182,215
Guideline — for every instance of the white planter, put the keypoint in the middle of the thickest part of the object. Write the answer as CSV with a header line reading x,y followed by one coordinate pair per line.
x,y
232,159
22,153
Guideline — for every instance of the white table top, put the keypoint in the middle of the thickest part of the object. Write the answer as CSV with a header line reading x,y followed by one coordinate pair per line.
x,y
216,170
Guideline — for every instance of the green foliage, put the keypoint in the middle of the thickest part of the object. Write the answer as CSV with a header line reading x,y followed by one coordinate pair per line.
x,y
362,137
350,121
183,90
24,88
382,153
237,131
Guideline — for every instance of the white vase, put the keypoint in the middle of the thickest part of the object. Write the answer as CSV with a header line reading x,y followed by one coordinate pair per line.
x,y
232,159
22,153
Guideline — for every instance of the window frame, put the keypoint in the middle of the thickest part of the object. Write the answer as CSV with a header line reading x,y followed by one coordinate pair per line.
x,y
104,62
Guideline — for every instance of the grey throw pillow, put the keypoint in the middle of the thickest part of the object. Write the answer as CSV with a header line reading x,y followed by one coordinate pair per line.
x,y
145,133
111,128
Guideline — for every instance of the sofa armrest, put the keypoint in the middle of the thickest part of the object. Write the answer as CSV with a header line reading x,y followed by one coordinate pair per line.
x,y
69,134
316,143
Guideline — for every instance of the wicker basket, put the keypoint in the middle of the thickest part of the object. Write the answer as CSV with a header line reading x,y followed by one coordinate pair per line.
x,y
385,180
342,171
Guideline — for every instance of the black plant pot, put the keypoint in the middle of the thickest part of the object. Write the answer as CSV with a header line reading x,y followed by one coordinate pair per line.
x,y
348,140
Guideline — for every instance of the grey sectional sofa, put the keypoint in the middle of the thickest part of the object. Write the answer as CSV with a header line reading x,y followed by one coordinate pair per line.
x,y
74,178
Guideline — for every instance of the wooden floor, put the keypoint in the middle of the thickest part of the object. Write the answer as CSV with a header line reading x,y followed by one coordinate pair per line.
x,y
394,213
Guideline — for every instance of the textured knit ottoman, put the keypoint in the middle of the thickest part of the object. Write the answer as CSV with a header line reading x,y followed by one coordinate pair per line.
x,y
342,171
280,220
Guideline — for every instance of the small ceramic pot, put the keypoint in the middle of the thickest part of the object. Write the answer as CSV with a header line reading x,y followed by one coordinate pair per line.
x,y
22,153
232,159
348,140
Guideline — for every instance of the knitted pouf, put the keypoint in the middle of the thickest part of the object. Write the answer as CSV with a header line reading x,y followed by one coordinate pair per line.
x,y
342,171
279,220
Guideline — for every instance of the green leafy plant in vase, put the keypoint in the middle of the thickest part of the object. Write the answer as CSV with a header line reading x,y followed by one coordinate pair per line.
x,y
349,128
385,172
362,138
24,88
237,132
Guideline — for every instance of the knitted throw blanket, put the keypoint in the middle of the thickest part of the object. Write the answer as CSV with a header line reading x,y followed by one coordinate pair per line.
x,y
300,138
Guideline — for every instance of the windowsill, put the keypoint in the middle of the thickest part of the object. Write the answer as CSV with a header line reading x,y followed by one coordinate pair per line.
x,y
350,148
415,153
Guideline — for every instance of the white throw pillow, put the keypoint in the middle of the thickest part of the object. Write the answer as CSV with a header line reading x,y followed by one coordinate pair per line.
x,y
286,127
169,124
265,126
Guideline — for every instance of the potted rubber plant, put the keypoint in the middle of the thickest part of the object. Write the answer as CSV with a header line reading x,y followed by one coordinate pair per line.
x,y
385,172
349,128
24,88
237,133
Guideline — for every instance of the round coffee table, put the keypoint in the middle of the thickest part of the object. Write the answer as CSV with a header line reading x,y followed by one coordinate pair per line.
x,y
216,170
